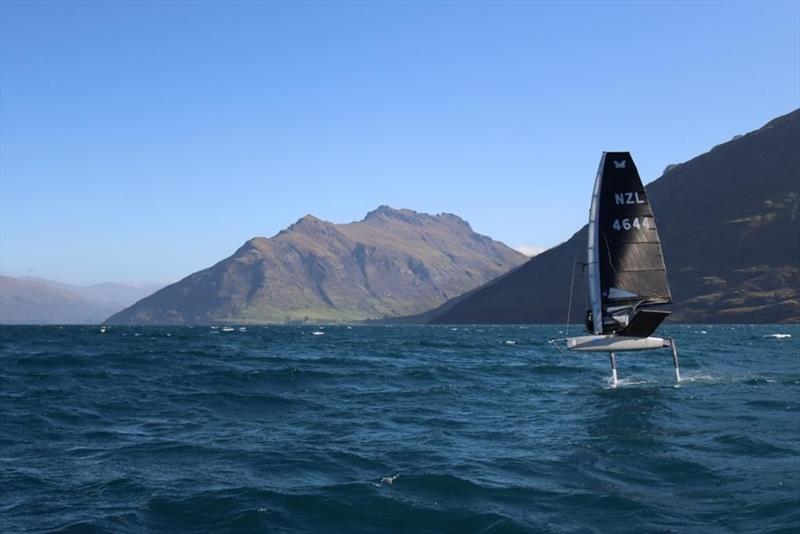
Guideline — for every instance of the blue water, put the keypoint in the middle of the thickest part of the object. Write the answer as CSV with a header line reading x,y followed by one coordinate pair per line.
x,y
464,429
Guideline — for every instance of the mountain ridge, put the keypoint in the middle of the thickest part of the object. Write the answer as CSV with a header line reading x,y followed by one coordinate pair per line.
x,y
728,221
392,262
32,300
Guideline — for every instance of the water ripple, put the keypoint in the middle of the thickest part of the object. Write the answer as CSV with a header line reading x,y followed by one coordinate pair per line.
x,y
420,429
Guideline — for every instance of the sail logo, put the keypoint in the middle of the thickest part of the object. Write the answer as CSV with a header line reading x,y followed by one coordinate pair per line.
x,y
619,164
621,199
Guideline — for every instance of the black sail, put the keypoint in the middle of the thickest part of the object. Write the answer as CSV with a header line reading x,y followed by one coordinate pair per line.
x,y
626,266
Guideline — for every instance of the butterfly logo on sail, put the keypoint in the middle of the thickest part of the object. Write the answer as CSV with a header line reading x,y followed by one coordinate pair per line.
x,y
619,164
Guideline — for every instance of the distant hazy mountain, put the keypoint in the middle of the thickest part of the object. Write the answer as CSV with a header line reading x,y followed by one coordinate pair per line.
x,y
26,301
117,295
730,229
393,262
29,300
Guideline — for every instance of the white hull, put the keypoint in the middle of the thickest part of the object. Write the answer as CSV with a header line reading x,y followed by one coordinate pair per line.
x,y
615,343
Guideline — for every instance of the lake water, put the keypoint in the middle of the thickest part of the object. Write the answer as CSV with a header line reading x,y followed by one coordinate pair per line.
x,y
436,428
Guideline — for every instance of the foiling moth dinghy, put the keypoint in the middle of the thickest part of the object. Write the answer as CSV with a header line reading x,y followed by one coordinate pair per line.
x,y
625,270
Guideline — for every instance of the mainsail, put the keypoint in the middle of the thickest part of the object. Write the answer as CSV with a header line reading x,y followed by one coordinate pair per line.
x,y
625,270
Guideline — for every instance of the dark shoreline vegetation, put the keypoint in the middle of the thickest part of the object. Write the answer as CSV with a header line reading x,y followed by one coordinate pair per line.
x,y
573,327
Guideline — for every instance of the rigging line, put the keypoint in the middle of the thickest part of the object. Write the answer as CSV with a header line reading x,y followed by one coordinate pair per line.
x,y
569,306
610,261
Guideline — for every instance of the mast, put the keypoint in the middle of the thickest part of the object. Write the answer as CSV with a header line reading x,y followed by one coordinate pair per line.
x,y
593,250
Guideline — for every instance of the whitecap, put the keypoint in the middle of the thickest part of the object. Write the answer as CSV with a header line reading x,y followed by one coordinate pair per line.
x,y
317,333
779,336
389,479
629,382
510,342
696,378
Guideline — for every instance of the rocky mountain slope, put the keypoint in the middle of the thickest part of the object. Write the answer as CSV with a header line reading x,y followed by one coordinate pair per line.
x,y
730,228
393,262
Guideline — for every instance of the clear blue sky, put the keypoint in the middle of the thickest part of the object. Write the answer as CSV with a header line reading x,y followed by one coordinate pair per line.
x,y
140,142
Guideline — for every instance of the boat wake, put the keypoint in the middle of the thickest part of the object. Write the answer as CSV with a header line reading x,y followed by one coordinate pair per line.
x,y
629,382
698,378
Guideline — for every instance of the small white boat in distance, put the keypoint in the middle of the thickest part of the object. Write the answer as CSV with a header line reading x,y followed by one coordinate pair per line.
x,y
625,270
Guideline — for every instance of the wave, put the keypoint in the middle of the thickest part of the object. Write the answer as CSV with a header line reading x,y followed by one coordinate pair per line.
x,y
406,428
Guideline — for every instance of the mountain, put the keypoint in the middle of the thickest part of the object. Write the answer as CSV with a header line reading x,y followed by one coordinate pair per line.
x,y
29,300
393,262
25,301
728,221
116,295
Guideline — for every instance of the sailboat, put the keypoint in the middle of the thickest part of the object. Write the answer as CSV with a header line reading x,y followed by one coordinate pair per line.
x,y
625,271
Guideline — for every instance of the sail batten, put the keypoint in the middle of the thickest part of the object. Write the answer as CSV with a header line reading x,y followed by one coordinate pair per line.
x,y
626,270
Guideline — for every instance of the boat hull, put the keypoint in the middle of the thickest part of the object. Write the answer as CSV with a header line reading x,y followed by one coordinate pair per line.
x,y
614,343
